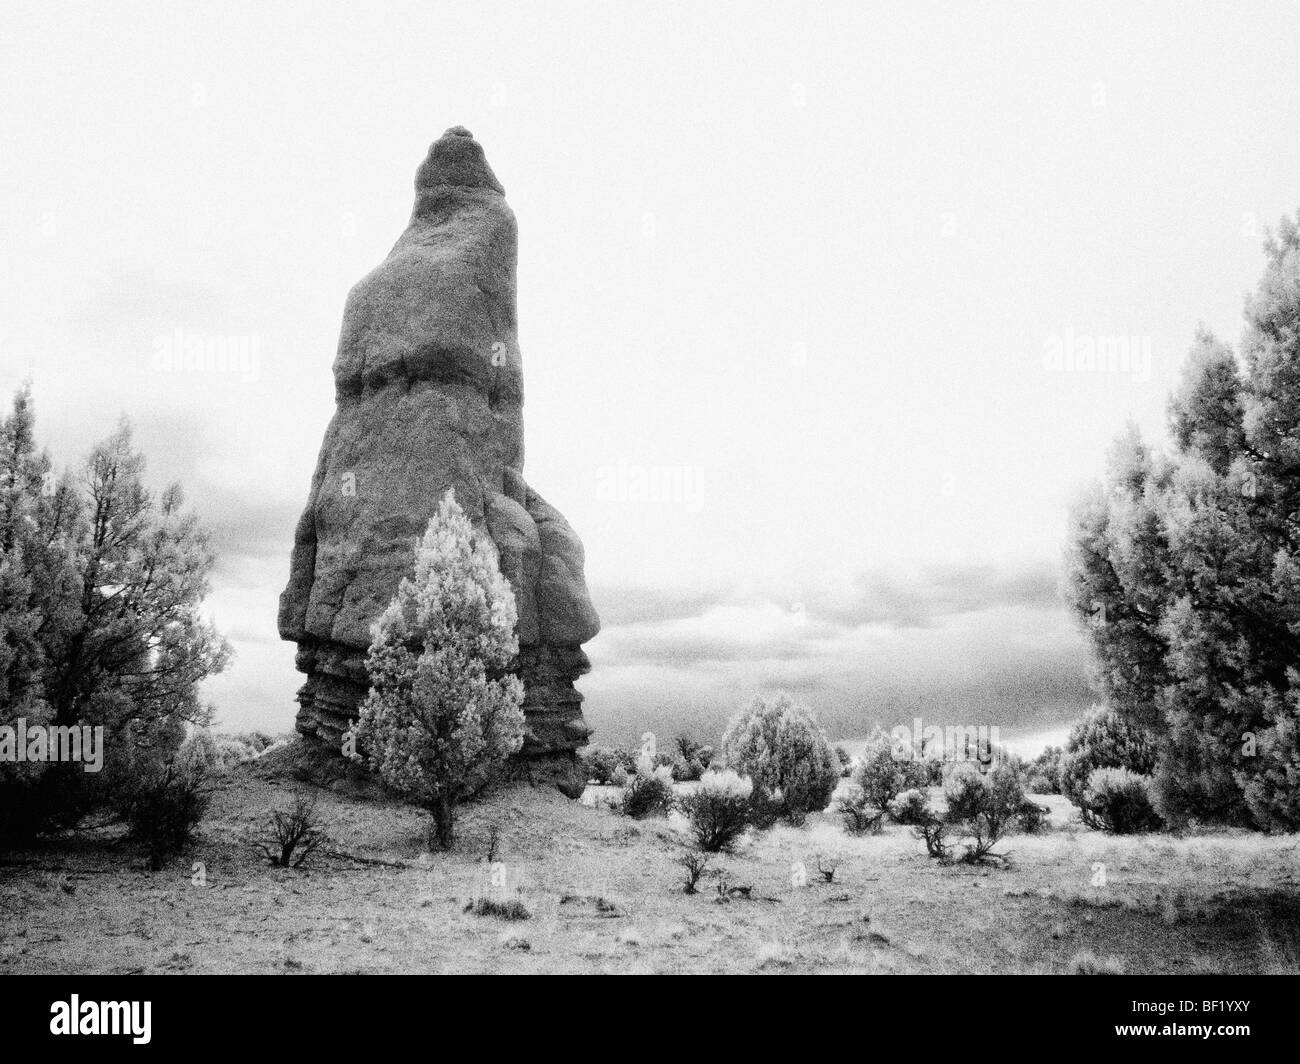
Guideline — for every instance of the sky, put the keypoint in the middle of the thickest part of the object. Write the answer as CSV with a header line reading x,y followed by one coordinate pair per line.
x,y
806,296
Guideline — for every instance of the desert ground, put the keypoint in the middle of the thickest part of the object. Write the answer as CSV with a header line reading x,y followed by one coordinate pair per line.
x,y
603,894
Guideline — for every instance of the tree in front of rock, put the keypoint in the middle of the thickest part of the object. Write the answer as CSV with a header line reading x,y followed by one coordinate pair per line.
x,y
444,710
780,746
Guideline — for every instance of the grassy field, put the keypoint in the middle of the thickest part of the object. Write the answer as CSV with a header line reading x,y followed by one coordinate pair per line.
x,y
604,895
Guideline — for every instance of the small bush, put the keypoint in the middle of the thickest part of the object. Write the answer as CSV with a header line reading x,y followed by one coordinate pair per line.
x,y
934,832
980,807
1119,802
648,793
984,806
718,809
858,815
198,752
501,908
912,808
1103,739
827,866
846,761
600,764
783,750
293,834
1032,817
694,865
163,807
1043,773
693,750
883,777
686,771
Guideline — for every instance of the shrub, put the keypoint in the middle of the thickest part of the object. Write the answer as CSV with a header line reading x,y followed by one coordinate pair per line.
x,y
994,797
1032,817
1119,802
693,750
1103,739
648,793
882,776
846,761
198,753
293,830
858,815
685,771
694,865
443,714
1043,773
718,809
912,807
601,763
982,807
501,908
783,750
163,806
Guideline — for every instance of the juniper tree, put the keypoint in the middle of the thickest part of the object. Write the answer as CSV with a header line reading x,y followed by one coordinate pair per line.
x,y
443,713
1186,568
101,592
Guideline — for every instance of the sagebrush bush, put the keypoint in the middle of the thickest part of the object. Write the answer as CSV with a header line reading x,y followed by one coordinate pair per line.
x,y
649,792
1103,739
718,809
691,749
1032,817
163,806
912,808
780,746
982,806
501,908
686,770
858,815
293,834
1043,773
600,763
882,776
1119,802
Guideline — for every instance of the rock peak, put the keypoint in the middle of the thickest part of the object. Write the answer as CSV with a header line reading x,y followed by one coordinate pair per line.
x,y
456,159
429,382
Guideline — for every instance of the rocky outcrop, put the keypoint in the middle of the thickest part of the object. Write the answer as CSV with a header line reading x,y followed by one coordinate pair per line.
x,y
429,390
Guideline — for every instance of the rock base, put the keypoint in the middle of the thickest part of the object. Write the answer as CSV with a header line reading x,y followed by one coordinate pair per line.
x,y
337,683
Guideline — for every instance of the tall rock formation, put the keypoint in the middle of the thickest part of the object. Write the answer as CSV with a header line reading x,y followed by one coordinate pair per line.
x,y
429,392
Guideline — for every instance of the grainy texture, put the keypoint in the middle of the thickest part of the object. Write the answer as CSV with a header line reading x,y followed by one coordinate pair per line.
x,y
605,896
429,390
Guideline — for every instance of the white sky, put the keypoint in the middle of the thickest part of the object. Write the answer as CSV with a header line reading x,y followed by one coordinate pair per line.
x,y
804,258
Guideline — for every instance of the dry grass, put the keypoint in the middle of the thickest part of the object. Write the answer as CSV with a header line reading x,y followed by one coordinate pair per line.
x,y
605,895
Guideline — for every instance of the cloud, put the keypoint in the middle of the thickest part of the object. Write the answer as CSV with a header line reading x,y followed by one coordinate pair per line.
x,y
619,606
960,643
928,595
